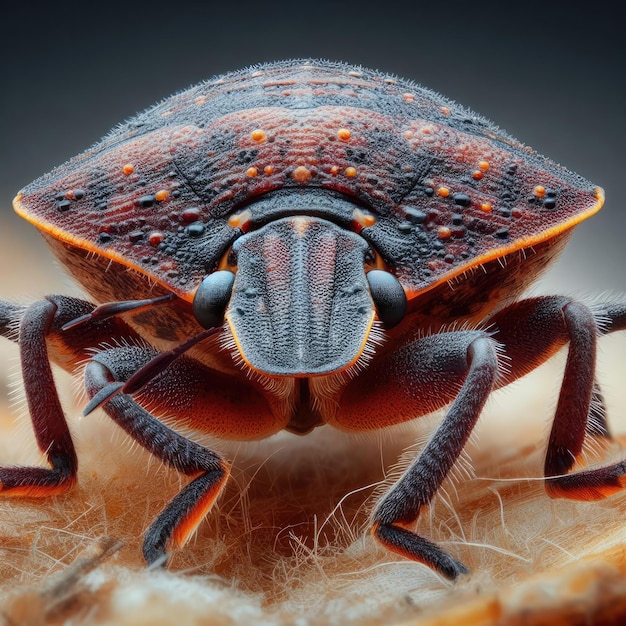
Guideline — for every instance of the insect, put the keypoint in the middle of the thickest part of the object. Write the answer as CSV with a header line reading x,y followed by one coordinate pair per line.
x,y
301,244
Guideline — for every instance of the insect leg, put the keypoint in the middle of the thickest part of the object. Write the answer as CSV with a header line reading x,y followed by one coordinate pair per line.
x,y
551,322
418,485
36,329
177,522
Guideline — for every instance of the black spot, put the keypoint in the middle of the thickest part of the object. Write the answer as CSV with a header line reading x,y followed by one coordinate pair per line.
x,y
64,205
511,168
104,237
176,193
147,201
550,193
457,220
429,191
405,227
135,236
196,229
462,199
415,216
549,203
78,194
102,206
503,233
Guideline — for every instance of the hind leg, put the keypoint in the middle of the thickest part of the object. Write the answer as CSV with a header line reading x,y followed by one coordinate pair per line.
x,y
40,338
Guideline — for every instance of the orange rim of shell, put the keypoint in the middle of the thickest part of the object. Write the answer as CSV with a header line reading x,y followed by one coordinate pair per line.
x,y
495,253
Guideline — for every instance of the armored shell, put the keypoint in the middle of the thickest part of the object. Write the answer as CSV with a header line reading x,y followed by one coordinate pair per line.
x,y
446,188
434,189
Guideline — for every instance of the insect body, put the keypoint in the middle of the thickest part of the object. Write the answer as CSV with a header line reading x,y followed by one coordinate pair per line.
x,y
289,246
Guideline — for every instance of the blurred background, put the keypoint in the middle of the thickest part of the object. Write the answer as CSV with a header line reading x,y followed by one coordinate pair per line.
x,y
550,74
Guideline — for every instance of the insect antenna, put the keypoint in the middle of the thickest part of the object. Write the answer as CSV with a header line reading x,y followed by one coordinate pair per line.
x,y
148,372
110,309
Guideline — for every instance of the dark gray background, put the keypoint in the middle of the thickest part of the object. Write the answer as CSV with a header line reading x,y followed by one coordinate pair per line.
x,y
551,76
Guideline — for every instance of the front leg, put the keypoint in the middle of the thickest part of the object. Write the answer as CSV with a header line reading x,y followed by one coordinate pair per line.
x,y
180,518
418,378
417,487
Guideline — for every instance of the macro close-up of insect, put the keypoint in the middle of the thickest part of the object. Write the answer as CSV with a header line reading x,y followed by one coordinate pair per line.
x,y
302,244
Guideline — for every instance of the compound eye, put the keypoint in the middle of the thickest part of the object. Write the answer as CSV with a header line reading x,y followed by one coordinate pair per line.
x,y
212,298
388,296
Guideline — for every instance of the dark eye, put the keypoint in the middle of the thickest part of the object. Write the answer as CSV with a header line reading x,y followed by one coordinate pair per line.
x,y
212,298
388,296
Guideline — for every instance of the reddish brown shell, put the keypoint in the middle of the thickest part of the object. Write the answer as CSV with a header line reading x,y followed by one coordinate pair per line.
x,y
436,188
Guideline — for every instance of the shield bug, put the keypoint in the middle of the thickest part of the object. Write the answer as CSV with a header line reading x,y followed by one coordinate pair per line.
x,y
304,244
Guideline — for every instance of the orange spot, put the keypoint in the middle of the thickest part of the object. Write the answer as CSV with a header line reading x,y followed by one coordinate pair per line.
x,y
200,100
355,74
258,135
237,220
128,169
363,219
19,197
539,191
343,134
444,192
408,97
445,110
483,165
251,172
486,207
409,134
161,195
350,172
268,169
477,175
334,170
301,174
443,232
155,238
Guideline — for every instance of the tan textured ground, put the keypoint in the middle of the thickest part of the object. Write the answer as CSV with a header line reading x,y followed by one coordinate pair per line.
x,y
285,546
